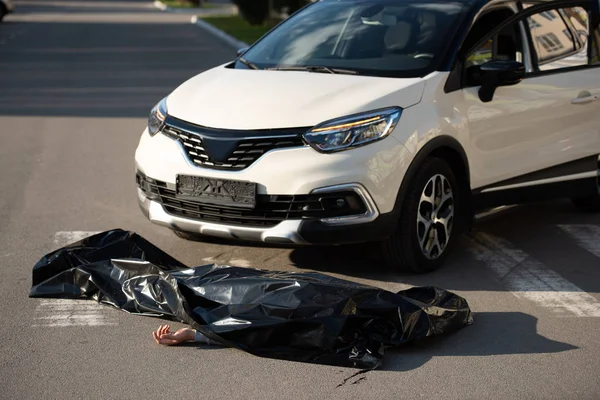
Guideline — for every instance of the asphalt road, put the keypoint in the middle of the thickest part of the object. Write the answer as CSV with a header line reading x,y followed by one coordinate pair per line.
x,y
77,79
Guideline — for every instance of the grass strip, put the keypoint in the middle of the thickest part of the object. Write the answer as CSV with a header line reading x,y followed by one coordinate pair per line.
x,y
237,27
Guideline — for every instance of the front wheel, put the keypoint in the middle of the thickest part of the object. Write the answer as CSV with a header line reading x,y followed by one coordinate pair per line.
x,y
427,227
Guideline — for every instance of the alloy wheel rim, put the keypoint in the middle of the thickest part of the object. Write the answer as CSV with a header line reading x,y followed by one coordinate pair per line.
x,y
435,217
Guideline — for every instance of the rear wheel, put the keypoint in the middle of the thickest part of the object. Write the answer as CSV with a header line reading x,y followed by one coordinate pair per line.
x,y
428,226
589,203
3,11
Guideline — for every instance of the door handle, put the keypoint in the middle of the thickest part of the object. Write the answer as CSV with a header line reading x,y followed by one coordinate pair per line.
x,y
585,98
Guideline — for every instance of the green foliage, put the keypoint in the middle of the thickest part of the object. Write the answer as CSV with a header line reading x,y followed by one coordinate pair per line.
x,y
239,28
256,12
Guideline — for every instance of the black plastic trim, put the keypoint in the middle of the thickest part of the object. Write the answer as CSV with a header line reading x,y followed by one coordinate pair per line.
x,y
586,164
536,193
232,133
437,143
317,232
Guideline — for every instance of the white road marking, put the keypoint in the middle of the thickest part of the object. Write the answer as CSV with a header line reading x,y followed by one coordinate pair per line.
x,y
65,312
65,238
240,263
236,262
529,279
586,236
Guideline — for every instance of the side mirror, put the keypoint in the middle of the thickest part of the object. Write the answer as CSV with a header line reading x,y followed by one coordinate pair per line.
x,y
499,73
241,51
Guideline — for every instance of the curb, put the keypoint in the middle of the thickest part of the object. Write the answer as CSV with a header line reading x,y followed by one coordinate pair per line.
x,y
163,7
225,10
230,40
160,6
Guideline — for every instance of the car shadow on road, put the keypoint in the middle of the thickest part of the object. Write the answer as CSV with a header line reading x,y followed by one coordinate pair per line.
x,y
363,261
533,228
493,333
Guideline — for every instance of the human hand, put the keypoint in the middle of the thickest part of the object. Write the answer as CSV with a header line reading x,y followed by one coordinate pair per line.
x,y
163,335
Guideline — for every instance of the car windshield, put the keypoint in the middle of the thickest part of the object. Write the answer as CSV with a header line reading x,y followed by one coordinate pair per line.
x,y
393,38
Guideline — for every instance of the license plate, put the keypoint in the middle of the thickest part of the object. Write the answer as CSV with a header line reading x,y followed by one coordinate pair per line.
x,y
216,191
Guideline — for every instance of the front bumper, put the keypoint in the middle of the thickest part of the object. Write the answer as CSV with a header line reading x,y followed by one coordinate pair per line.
x,y
373,173
378,167
288,232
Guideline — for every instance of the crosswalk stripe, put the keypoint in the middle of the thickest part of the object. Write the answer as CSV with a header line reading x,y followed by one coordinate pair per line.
x,y
586,236
529,279
66,313
235,262
64,238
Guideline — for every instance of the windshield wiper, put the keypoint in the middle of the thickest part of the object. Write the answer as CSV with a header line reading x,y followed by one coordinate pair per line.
x,y
315,68
248,63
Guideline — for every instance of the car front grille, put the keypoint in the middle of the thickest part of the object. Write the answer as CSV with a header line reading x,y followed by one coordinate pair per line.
x,y
270,210
228,150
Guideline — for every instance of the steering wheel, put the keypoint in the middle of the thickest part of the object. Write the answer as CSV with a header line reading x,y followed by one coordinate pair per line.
x,y
423,55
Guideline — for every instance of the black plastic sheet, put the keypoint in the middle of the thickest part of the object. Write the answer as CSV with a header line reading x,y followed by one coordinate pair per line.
x,y
308,317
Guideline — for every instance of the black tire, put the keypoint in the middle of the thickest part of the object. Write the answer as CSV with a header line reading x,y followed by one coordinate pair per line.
x,y
3,11
194,237
589,204
402,251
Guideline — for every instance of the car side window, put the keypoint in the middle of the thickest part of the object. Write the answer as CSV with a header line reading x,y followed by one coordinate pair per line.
x,y
560,38
505,45
595,43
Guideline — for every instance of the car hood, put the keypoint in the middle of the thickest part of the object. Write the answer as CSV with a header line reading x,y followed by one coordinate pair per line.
x,y
257,99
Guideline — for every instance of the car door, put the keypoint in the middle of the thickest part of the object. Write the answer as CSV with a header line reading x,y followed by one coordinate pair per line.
x,y
540,137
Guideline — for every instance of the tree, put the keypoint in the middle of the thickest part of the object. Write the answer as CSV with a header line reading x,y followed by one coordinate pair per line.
x,y
256,12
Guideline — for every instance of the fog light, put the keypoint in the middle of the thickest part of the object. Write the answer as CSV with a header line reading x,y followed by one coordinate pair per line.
x,y
334,203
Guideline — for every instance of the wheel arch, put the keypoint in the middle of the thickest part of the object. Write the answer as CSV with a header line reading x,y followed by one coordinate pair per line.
x,y
450,150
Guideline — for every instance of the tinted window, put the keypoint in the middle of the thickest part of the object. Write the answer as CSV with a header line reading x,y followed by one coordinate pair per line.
x,y
560,38
382,38
504,45
595,42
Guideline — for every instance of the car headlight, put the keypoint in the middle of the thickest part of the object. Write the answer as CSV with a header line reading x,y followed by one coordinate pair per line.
x,y
157,117
353,131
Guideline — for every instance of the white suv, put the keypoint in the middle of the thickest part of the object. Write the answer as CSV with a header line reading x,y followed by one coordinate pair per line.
x,y
384,120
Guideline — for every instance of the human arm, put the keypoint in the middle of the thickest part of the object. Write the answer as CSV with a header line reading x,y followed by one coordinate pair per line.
x,y
163,335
